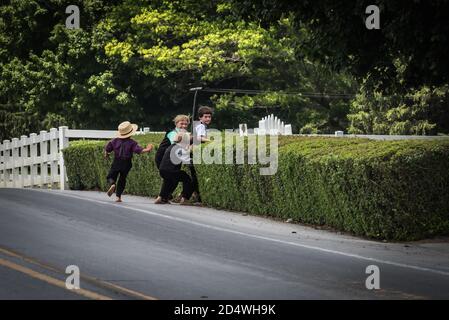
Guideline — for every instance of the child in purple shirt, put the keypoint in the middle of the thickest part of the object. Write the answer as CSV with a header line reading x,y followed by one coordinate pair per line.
x,y
123,147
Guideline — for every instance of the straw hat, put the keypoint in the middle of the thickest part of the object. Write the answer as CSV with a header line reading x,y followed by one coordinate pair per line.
x,y
126,129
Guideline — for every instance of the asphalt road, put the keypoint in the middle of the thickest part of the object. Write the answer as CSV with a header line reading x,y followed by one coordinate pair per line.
x,y
138,250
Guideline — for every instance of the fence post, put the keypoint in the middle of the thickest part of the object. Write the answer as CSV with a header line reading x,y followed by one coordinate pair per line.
x,y
6,156
2,163
33,159
15,158
23,161
43,158
63,143
54,156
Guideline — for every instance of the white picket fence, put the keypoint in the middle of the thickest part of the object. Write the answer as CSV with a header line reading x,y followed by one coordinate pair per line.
x,y
37,160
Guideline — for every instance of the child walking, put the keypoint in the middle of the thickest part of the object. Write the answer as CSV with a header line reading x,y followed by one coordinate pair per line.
x,y
123,147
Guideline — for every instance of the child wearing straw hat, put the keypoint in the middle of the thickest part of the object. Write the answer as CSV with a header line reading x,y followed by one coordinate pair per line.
x,y
123,147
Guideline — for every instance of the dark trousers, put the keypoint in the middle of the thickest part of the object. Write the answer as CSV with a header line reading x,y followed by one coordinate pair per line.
x,y
196,187
164,186
171,180
119,169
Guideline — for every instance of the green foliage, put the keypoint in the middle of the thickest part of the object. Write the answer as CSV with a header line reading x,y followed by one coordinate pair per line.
x,y
393,190
179,47
385,190
415,31
403,66
132,59
50,75
420,111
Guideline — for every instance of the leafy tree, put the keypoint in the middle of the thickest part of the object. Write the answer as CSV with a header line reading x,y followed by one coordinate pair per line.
x,y
180,50
403,66
411,30
45,68
136,60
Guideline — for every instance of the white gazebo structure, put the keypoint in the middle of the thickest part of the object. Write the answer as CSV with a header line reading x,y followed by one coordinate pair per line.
x,y
270,125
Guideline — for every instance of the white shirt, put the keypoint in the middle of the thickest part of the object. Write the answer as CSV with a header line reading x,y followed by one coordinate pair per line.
x,y
200,129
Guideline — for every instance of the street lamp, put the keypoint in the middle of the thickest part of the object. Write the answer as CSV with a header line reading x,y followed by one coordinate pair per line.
x,y
196,89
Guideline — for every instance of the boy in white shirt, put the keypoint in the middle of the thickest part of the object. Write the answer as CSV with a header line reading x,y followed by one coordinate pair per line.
x,y
200,130
200,136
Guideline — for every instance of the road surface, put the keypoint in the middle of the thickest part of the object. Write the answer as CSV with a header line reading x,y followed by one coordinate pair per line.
x,y
138,250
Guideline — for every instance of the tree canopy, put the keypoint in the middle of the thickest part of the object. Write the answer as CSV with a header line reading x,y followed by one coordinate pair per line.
x,y
312,63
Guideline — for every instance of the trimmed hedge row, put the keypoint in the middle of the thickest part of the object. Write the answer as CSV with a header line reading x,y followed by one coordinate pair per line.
x,y
396,190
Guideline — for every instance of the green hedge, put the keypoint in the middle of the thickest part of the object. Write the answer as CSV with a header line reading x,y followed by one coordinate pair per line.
x,y
396,190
